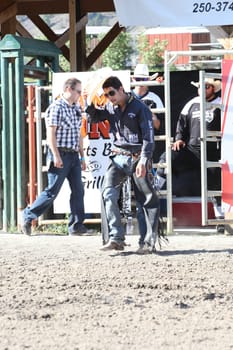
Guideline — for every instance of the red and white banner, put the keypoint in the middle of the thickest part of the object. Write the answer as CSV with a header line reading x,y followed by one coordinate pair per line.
x,y
179,13
227,136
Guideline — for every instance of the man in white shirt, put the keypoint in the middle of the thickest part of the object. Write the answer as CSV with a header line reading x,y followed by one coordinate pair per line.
x,y
141,73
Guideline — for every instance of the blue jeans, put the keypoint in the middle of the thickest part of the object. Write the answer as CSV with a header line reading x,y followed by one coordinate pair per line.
x,y
119,169
56,176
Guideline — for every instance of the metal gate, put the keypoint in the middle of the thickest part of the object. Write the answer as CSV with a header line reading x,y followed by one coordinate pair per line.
x,y
170,58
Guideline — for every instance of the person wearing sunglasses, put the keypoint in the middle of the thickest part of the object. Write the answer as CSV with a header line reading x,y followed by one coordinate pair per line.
x,y
65,159
133,143
186,148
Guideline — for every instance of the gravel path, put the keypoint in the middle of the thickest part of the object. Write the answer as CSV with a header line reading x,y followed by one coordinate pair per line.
x,y
59,292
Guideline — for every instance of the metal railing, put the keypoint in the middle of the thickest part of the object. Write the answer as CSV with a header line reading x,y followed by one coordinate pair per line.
x,y
170,58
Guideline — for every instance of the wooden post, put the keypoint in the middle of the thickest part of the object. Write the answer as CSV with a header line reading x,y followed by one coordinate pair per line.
x,y
73,45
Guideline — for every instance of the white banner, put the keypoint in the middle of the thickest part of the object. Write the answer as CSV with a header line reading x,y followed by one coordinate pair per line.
x,y
167,13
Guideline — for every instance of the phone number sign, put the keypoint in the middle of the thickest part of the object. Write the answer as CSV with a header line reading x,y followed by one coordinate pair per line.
x,y
179,13
206,7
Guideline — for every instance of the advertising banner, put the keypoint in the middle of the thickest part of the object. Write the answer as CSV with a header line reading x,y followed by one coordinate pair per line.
x,y
97,140
227,137
179,13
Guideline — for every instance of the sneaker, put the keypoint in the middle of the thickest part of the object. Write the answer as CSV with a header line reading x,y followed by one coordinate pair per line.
x,y
145,249
80,229
26,228
112,245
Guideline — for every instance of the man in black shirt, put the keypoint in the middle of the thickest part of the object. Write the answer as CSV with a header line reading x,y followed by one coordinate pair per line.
x,y
186,148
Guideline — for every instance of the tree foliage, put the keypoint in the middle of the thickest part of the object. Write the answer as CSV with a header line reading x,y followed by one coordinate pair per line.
x,y
118,54
151,54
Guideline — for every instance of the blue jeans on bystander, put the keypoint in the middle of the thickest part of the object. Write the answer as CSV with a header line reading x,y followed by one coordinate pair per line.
x,y
56,176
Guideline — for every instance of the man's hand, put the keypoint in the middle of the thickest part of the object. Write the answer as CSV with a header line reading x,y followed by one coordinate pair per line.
x,y
83,165
140,170
58,163
178,145
52,143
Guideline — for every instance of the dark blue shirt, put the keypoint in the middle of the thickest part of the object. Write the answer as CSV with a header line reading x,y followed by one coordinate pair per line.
x,y
132,128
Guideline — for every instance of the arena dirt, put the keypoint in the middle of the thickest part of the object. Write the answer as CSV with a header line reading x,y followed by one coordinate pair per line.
x,y
60,292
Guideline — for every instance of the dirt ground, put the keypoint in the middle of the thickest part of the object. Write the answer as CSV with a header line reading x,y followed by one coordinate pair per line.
x,y
60,292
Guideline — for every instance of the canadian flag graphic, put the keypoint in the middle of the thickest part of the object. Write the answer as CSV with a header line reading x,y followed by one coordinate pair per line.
x,y
227,136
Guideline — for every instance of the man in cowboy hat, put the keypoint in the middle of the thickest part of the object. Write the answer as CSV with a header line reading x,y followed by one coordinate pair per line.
x,y
216,84
186,148
141,73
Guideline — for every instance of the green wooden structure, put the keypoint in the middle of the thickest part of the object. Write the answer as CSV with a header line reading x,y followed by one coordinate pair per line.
x,y
19,57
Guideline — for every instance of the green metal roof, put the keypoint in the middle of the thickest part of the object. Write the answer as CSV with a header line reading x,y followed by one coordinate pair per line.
x,y
30,47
